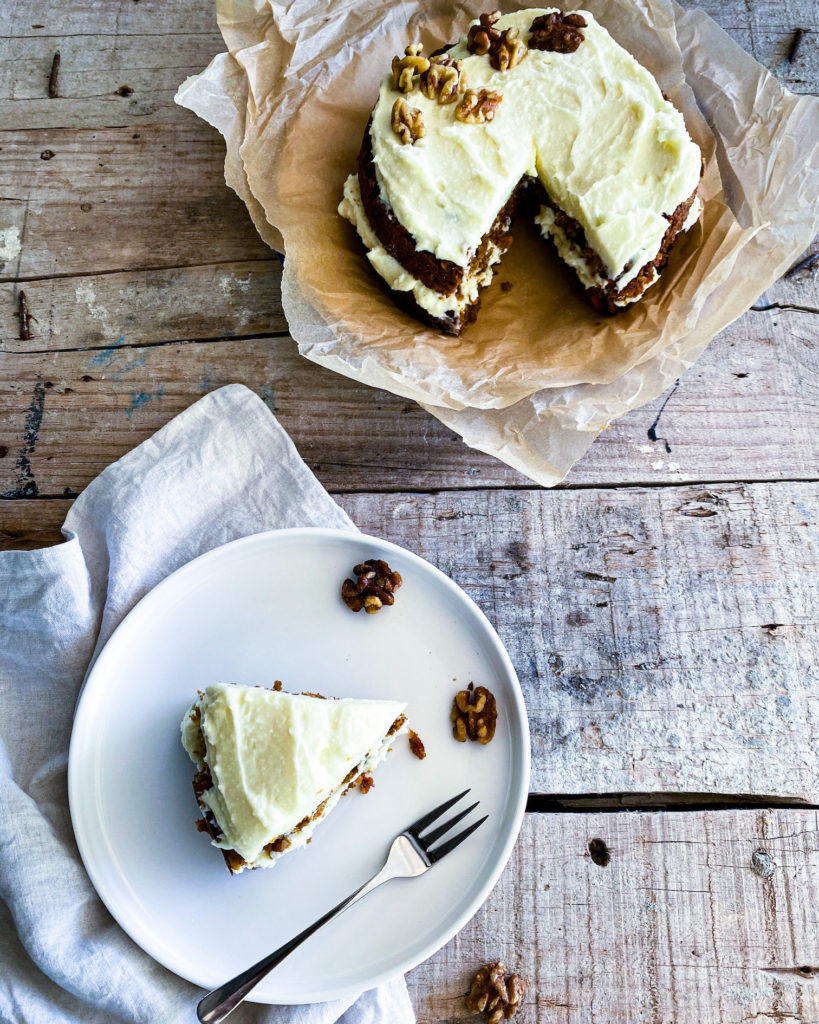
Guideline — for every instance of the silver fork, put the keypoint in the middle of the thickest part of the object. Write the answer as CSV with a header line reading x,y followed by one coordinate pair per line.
x,y
411,854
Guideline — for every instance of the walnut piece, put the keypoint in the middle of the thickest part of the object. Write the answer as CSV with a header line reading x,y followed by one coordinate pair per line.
x,y
406,122
478,106
474,715
509,51
495,993
506,49
374,587
557,31
417,745
480,37
443,79
407,70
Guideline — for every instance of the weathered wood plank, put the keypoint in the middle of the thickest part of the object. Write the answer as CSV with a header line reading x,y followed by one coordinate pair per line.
x,y
119,199
25,525
105,79
665,639
114,17
748,409
146,306
678,927
765,29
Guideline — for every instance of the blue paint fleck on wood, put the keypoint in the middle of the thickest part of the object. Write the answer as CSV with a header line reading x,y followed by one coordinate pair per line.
x,y
106,356
141,398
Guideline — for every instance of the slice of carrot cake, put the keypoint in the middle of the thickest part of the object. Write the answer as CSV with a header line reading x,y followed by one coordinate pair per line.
x,y
270,765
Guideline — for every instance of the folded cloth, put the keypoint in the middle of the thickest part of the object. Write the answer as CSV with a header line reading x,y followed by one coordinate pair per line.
x,y
222,469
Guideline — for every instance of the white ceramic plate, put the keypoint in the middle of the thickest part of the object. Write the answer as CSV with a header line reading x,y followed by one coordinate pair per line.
x,y
263,608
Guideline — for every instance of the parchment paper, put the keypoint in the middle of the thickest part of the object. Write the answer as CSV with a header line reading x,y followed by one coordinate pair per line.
x,y
540,373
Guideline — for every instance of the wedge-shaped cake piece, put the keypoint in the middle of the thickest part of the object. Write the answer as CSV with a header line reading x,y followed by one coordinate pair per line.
x,y
270,765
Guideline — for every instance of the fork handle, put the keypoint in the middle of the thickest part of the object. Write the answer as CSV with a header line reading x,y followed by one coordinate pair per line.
x,y
216,1005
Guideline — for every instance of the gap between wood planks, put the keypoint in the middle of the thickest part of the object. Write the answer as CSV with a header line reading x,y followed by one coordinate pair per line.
x,y
615,803
598,486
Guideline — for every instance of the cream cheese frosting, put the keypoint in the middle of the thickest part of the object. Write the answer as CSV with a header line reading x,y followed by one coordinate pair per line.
x,y
274,757
592,125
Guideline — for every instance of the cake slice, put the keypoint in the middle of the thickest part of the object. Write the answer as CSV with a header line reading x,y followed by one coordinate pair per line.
x,y
270,765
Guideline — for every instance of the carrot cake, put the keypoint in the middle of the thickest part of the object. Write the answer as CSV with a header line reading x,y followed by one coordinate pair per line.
x,y
539,112
270,765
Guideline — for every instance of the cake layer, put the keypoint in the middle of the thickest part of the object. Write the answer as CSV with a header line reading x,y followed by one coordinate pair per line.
x,y
450,310
274,758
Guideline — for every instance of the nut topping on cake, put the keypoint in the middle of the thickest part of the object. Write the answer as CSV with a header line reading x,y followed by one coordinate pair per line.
x,y
374,587
478,106
481,37
509,51
557,31
406,122
443,80
474,715
494,994
406,70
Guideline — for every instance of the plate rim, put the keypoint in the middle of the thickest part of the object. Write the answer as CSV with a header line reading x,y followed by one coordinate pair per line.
x,y
521,760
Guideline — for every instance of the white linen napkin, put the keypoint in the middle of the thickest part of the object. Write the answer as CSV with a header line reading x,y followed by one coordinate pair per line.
x,y
222,469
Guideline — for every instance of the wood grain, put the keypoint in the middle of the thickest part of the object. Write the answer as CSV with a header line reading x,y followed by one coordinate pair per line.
x,y
678,927
748,409
125,78
117,199
664,638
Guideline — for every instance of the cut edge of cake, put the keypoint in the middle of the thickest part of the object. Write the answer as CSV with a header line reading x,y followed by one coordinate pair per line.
x,y
195,744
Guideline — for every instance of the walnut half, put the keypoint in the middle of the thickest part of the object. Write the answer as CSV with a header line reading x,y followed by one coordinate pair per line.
x,y
509,51
375,586
406,70
480,37
474,715
557,32
478,106
443,80
495,993
406,122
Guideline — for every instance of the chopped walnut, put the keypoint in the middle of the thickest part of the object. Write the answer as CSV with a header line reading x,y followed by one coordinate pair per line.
x,y
480,37
406,122
474,714
478,106
374,587
443,80
279,845
277,686
365,784
495,993
417,745
407,70
557,31
509,50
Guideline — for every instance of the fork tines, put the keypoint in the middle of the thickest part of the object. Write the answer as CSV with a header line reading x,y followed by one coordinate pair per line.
x,y
426,841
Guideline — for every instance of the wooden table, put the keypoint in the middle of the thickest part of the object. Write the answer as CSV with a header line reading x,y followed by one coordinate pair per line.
x,y
661,607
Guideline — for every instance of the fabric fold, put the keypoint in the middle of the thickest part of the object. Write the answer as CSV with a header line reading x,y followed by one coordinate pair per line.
x,y
221,470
